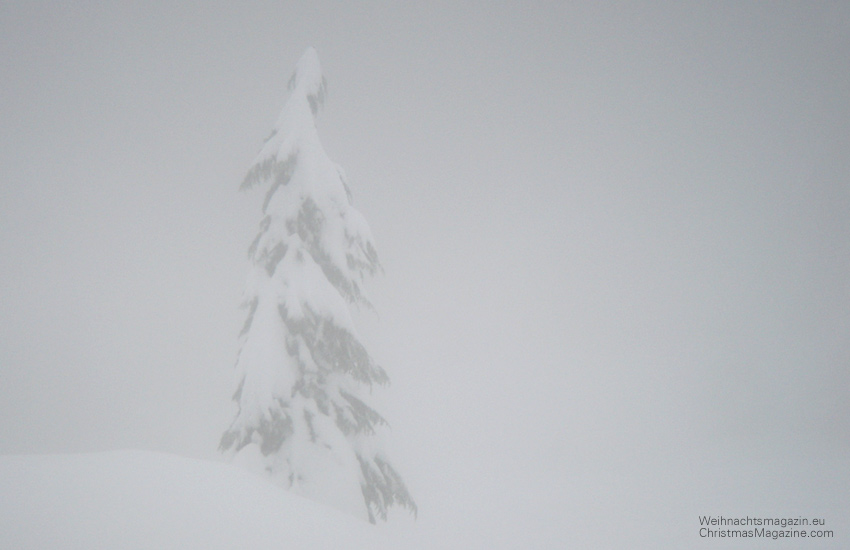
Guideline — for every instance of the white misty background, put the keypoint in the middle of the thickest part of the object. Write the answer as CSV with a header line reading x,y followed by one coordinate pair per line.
x,y
615,243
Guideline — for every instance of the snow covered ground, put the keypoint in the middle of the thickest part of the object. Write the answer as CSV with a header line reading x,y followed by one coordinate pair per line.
x,y
145,500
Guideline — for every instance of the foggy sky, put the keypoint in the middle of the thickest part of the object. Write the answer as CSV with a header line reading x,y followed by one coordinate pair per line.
x,y
615,239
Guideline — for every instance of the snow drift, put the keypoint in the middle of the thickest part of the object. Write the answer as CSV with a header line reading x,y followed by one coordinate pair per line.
x,y
138,499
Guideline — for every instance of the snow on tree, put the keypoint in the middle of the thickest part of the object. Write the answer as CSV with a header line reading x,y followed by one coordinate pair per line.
x,y
303,373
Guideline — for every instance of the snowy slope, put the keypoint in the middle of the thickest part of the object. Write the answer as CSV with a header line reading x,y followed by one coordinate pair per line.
x,y
145,500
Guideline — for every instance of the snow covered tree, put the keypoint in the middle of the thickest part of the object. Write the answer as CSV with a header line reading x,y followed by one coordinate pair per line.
x,y
303,373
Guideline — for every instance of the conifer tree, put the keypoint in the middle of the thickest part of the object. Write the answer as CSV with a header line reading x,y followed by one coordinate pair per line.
x,y
304,375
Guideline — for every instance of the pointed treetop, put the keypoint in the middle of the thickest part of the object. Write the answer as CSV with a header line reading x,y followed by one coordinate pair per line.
x,y
307,79
296,123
